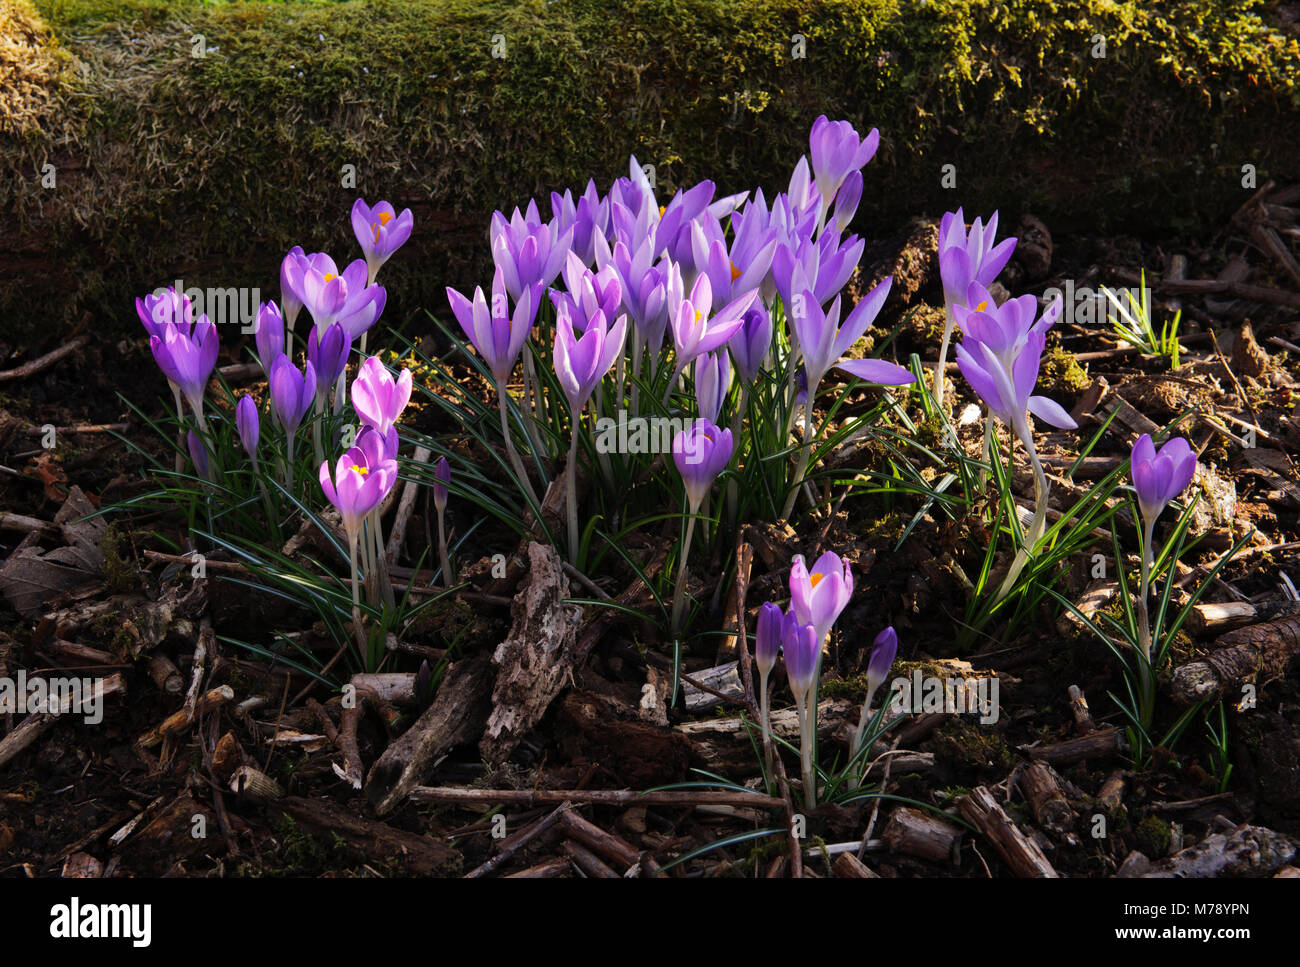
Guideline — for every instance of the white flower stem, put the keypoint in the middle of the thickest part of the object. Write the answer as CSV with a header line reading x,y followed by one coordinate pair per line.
x,y
1038,525
1145,670
948,323
571,489
516,464
443,559
807,730
679,593
859,738
765,718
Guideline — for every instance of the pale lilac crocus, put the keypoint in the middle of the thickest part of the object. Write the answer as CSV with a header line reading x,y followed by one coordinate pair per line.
x,y
802,650
700,453
377,397
165,308
292,393
836,153
441,477
328,354
188,360
321,288
818,597
823,265
964,259
291,270
712,383
527,250
499,338
249,426
580,365
883,653
695,332
999,355
269,335
380,232
767,647
359,484
1158,477
588,217
199,454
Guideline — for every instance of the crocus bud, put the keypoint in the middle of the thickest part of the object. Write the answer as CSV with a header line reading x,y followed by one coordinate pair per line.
x,y
329,355
818,598
270,334
247,423
198,453
1160,477
882,658
802,648
712,383
701,453
767,644
441,477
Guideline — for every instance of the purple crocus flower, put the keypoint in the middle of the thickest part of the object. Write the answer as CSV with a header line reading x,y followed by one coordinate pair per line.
x,y
836,153
694,332
701,453
644,288
581,363
588,291
320,287
380,232
292,267
527,250
328,355
441,477
712,383
1159,477
822,340
767,642
1001,353
363,303
377,397
246,421
359,484
817,598
847,200
673,232
882,658
188,360
292,393
168,308
803,650
731,273
964,259
751,342
498,336
198,453
269,336
588,217
826,264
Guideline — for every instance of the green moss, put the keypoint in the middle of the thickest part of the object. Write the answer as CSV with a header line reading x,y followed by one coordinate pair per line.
x,y
120,573
1062,374
246,145
1152,837
970,748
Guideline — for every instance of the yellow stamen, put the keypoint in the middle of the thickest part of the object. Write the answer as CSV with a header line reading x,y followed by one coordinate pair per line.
x,y
661,211
735,272
815,579
384,219
982,306
360,469
329,276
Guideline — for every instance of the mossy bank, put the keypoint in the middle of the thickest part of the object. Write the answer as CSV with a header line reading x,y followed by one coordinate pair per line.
x,y
199,141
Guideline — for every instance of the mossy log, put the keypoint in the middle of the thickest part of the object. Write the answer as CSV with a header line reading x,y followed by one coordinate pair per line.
x,y
144,142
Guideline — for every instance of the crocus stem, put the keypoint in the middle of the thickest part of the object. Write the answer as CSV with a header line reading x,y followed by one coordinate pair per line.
x,y
668,390
317,446
948,322
679,593
571,490
511,453
805,452
356,595
288,461
443,560
1040,512
859,737
180,433
1147,685
806,733
637,346
765,719
533,391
